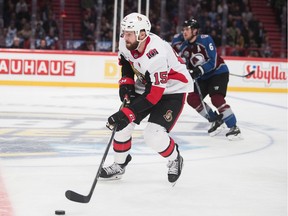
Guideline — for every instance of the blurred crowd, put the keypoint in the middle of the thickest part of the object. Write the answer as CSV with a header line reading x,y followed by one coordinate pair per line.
x,y
244,34
20,32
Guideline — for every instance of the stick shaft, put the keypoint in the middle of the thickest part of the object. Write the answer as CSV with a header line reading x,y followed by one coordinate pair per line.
x,y
246,75
201,98
73,196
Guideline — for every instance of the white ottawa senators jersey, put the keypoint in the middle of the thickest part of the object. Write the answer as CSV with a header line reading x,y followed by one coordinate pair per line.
x,y
165,68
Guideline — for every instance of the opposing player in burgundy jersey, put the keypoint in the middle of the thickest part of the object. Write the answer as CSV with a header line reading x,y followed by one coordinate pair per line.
x,y
211,74
156,80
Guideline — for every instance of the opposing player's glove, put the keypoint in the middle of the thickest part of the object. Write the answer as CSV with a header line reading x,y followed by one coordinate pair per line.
x,y
196,72
127,89
122,118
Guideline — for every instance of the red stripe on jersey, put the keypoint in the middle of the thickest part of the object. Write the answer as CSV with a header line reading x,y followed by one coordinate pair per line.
x,y
179,113
129,114
177,76
137,54
122,146
168,151
155,94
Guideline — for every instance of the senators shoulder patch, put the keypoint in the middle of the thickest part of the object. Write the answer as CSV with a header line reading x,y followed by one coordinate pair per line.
x,y
152,53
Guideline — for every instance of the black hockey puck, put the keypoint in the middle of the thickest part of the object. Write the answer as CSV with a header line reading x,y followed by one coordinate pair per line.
x,y
60,212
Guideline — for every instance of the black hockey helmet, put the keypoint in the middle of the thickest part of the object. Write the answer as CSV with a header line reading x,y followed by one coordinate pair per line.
x,y
192,23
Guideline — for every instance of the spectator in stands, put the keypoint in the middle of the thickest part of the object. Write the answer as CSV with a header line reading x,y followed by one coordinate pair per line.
x,y
89,33
49,24
238,49
245,32
21,6
236,14
218,26
23,13
260,34
51,38
45,9
207,27
42,44
39,31
267,51
216,37
25,34
213,14
85,23
247,14
38,19
254,25
88,45
17,44
11,34
253,50
105,28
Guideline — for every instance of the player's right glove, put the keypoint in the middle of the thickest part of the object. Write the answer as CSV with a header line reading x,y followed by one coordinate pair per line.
x,y
122,118
126,88
196,72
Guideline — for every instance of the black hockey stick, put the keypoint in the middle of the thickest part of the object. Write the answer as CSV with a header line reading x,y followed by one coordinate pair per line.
x,y
246,75
76,197
201,98
203,103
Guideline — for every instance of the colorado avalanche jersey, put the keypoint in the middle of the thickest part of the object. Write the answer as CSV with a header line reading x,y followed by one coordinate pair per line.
x,y
203,52
158,64
177,41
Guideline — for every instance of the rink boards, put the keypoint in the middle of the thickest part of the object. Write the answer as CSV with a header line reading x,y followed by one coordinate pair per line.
x,y
101,69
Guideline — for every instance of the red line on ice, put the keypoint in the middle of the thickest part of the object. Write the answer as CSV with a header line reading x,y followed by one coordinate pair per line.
x,y
5,205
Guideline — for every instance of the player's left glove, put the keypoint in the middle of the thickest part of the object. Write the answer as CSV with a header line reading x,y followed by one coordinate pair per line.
x,y
127,89
122,118
196,72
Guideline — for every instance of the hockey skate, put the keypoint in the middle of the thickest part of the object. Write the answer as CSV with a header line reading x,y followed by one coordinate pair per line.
x,y
234,133
115,171
175,168
216,127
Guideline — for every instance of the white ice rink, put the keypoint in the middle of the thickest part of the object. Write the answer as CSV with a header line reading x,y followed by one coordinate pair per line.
x,y
52,140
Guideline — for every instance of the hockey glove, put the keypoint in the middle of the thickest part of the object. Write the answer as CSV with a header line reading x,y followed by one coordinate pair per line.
x,y
126,89
122,118
196,72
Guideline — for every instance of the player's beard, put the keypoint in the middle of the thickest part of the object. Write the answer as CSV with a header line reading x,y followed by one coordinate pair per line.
x,y
132,46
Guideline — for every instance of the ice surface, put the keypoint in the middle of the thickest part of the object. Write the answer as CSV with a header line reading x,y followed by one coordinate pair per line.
x,y
52,139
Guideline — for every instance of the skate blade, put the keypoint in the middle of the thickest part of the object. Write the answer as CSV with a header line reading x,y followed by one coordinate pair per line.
x,y
234,137
217,131
113,178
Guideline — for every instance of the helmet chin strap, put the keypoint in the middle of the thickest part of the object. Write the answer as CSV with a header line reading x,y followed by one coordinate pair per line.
x,y
140,41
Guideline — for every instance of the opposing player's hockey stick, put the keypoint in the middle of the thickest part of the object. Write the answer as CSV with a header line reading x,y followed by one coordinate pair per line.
x,y
76,197
246,75
201,98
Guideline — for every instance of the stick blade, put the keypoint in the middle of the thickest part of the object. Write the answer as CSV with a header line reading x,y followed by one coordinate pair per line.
x,y
252,72
73,196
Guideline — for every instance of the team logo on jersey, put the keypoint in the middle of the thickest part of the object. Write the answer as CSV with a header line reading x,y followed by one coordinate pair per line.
x,y
186,54
152,53
135,55
197,59
168,116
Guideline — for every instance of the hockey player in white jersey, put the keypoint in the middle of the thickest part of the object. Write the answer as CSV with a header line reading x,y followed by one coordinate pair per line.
x,y
156,81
